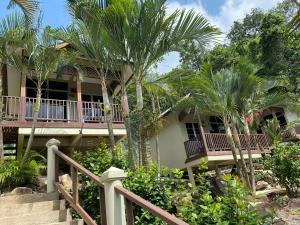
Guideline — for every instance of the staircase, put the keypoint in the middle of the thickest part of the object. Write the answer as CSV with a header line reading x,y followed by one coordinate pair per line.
x,y
35,209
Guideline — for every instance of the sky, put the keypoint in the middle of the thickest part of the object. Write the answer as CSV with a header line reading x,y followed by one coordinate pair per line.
x,y
221,13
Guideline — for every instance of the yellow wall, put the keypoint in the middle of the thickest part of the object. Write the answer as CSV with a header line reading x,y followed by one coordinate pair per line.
x,y
171,142
292,116
13,82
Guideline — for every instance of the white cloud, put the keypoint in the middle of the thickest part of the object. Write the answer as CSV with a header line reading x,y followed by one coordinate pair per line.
x,y
230,11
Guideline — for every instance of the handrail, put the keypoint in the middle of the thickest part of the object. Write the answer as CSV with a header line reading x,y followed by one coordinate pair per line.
x,y
130,196
74,198
79,167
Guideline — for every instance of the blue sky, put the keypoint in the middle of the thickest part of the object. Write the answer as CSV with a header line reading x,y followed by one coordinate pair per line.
x,y
220,13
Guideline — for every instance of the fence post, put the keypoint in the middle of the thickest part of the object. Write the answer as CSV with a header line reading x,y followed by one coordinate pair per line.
x,y
51,145
115,206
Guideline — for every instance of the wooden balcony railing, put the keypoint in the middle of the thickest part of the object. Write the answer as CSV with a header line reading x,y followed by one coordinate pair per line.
x,y
217,143
54,110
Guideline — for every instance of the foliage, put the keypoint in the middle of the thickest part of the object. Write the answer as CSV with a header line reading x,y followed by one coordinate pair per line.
x,y
285,165
14,174
97,162
235,207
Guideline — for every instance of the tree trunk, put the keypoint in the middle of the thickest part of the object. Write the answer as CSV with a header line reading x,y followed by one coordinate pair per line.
x,y
36,109
1,108
127,121
243,162
154,111
140,119
247,138
232,146
108,116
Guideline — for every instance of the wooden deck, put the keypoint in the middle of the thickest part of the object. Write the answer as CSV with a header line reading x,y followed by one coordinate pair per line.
x,y
216,144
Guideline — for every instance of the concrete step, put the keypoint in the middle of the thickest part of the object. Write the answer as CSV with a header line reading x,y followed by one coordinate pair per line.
x,y
28,198
73,222
38,218
28,208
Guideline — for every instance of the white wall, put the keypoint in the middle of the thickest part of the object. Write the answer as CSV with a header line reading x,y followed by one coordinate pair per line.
x,y
171,142
292,116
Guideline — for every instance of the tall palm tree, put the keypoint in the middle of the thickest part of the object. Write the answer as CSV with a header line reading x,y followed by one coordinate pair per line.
x,y
41,59
12,33
148,33
86,35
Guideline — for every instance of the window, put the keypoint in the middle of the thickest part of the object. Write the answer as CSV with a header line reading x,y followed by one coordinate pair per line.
x,y
193,131
281,118
92,98
216,124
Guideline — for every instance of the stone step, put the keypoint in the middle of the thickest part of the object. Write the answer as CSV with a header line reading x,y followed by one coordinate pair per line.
x,y
28,208
73,222
38,218
27,198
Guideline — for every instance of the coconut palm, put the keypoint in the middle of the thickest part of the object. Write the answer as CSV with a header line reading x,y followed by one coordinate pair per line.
x,y
12,32
86,36
148,32
41,58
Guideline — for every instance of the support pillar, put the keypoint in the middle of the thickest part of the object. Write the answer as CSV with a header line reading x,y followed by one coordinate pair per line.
x,y
22,109
202,133
115,206
218,171
52,164
191,175
79,100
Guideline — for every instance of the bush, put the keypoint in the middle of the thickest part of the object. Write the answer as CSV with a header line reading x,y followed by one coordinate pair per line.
x,y
13,174
285,165
97,162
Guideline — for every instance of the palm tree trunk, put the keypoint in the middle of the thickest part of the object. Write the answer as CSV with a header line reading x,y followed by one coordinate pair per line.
x,y
127,121
36,109
243,162
232,146
140,106
1,108
154,111
247,138
108,116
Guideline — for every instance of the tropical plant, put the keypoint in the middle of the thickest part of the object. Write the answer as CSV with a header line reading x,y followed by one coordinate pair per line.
x,y
285,165
14,173
87,36
29,7
12,32
41,58
144,40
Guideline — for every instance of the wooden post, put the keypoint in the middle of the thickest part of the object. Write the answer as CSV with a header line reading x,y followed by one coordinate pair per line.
x,y
51,164
191,174
115,205
202,133
79,100
22,109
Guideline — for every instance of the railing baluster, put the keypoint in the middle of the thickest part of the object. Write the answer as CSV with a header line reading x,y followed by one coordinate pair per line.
x,y
102,206
74,174
129,212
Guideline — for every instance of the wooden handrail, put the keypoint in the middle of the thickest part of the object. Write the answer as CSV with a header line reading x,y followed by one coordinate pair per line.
x,y
73,198
162,214
76,165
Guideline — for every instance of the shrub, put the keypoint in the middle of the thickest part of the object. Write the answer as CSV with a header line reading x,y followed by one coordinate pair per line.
x,y
13,174
97,162
285,165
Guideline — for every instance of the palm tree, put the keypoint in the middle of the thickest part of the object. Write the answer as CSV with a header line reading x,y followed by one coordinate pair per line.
x,y
295,21
87,36
252,95
12,32
29,7
148,33
41,59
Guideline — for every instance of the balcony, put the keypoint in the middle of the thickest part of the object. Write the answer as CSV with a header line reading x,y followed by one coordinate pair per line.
x,y
18,111
217,145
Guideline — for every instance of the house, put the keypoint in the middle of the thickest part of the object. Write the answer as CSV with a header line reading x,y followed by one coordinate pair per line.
x,y
71,110
185,139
